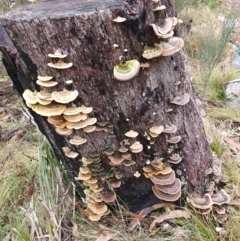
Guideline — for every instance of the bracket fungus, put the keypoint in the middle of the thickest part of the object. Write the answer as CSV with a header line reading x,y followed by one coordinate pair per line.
x,y
164,179
64,96
75,118
60,65
170,129
64,131
181,100
169,197
154,131
131,134
137,174
161,31
175,159
136,147
44,95
46,83
204,202
172,46
30,97
52,109
119,19
221,197
152,52
44,78
70,154
57,54
174,140
77,140
126,70
72,110
159,8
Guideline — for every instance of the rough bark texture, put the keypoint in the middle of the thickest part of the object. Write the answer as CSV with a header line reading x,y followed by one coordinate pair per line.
x,y
85,31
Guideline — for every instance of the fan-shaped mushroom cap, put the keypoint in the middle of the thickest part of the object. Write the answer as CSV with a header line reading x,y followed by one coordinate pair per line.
x,y
159,8
115,159
75,118
83,176
144,65
221,218
165,196
60,65
136,147
91,121
86,161
72,111
126,70
119,19
173,188
208,171
92,180
131,134
204,202
77,141
127,156
175,158
64,96
64,131
44,95
84,170
173,45
55,120
109,151
162,179
43,102
86,110
156,130
159,29
165,170
181,100
220,197
156,163
29,97
170,129
89,129
94,217
72,154
219,209
174,140
46,83
98,208
137,174
152,52
108,196
57,54
44,78
49,110
217,166
123,149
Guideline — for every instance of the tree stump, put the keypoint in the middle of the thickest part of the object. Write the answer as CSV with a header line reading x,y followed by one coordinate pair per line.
x,y
93,42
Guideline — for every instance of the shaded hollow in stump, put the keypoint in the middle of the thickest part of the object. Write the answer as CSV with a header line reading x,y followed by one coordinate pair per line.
x,y
93,42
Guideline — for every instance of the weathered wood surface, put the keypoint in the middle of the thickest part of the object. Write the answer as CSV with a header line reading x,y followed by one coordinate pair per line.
x,y
85,31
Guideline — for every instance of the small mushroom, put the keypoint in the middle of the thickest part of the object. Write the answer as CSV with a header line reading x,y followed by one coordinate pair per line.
x,y
162,179
64,131
72,110
131,134
44,95
174,140
155,131
89,129
126,70
170,129
75,118
57,54
119,19
173,188
86,110
220,197
152,52
64,96
175,159
137,174
46,83
173,45
136,147
44,78
204,202
77,140
181,100
166,197
71,154
43,102
164,31
60,65
159,8
144,65
108,196
29,97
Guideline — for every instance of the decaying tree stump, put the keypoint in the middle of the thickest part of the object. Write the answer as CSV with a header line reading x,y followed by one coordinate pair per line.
x,y
86,32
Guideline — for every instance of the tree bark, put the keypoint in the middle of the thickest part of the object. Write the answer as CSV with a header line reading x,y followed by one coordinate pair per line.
x,y
85,31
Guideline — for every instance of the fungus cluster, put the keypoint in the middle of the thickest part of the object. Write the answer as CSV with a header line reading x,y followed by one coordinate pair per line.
x,y
211,202
99,185
166,186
